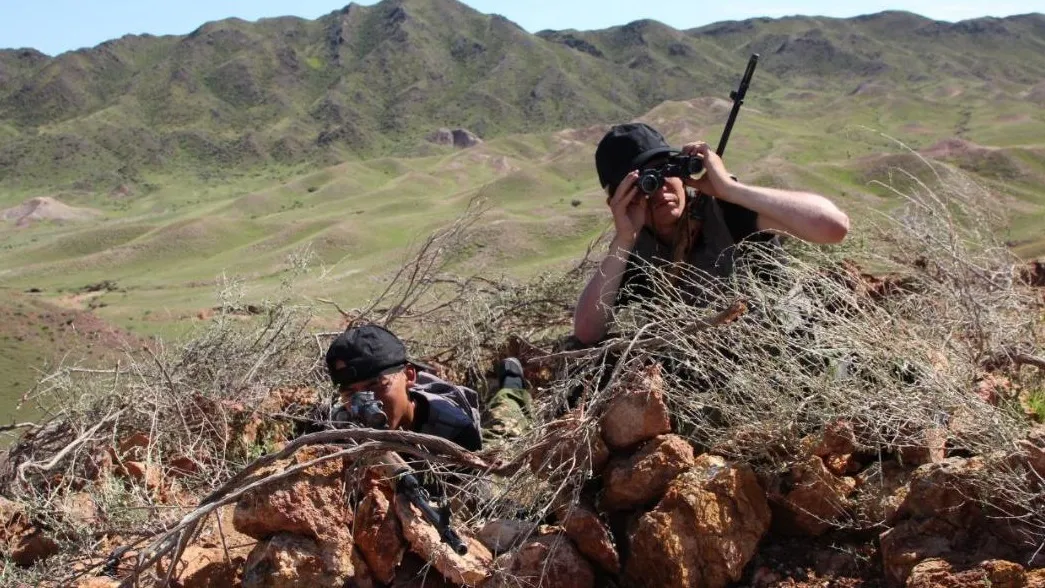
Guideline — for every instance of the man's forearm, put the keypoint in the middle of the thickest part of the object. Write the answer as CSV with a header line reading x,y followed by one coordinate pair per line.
x,y
808,216
595,306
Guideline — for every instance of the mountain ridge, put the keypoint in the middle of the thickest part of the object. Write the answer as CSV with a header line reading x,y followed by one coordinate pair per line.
x,y
364,81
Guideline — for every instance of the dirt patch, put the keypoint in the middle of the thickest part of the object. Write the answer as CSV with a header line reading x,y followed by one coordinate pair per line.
x,y
871,89
954,147
35,334
84,297
917,129
948,92
837,561
46,208
1037,94
712,104
472,159
587,136
1013,118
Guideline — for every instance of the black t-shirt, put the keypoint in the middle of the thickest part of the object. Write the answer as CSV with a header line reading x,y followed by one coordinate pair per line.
x,y
713,253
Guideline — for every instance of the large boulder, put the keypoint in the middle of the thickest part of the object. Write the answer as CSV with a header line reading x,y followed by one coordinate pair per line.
x,y
642,478
836,448
279,507
295,561
911,542
939,573
217,555
500,535
460,138
944,490
927,446
881,489
567,445
591,536
703,532
638,413
377,533
470,569
20,540
551,561
817,498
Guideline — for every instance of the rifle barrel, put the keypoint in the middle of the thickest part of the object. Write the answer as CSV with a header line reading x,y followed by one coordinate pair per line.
x,y
738,100
411,488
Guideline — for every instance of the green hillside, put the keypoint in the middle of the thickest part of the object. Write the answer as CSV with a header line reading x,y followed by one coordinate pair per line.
x,y
221,154
236,97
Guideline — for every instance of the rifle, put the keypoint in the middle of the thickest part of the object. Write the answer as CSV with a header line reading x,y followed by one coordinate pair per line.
x,y
737,96
364,410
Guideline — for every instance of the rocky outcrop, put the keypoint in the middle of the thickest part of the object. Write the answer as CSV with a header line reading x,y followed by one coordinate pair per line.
x,y
939,518
460,138
938,573
500,535
943,490
470,569
817,499
837,448
286,560
911,542
584,527
279,508
21,540
638,413
548,561
377,534
703,532
301,542
642,478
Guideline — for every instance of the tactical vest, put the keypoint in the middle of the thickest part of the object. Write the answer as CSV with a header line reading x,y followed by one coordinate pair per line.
x,y
451,409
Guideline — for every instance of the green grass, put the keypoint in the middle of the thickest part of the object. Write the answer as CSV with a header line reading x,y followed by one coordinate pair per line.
x,y
1036,404
168,246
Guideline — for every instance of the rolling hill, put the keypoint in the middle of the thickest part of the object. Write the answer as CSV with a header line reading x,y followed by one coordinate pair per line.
x,y
170,165
374,80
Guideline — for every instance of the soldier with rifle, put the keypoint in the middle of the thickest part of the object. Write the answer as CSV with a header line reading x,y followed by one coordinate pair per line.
x,y
682,206
381,388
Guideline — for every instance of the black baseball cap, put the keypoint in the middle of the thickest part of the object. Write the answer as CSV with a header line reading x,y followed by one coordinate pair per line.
x,y
368,351
627,147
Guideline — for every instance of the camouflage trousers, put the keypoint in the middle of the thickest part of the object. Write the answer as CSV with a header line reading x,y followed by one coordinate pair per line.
x,y
509,415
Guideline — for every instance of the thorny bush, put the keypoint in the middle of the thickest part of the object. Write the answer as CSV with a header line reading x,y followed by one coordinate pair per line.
x,y
819,343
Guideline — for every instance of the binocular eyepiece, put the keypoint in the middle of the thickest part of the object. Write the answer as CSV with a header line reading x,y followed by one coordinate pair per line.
x,y
677,166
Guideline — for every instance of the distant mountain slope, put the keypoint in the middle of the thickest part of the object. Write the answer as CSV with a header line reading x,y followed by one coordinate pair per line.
x,y
369,80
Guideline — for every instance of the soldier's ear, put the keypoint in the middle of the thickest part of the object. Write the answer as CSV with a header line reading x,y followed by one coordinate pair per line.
x,y
411,374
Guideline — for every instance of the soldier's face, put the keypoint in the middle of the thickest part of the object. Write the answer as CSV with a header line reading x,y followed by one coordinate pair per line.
x,y
667,203
390,389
